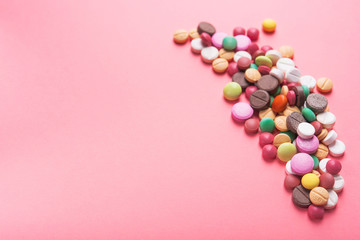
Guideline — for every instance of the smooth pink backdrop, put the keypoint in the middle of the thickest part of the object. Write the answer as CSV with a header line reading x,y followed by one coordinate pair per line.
x,y
111,131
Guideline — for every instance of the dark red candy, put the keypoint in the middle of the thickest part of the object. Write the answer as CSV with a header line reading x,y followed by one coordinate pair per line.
x,y
327,180
316,212
266,138
253,34
249,90
318,127
333,166
291,181
239,31
243,63
206,39
266,48
252,48
232,68
258,53
264,70
269,152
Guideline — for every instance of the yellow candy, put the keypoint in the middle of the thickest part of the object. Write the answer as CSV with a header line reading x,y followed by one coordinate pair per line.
x,y
269,25
286,151
310,181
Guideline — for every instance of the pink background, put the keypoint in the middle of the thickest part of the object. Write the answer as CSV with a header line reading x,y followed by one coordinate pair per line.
x,y
111,131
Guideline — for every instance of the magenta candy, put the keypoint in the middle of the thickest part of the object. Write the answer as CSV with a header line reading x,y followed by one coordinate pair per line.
x,y
253,47
249,90
243,42
269,152
308,146
239,31
266,138
253,34
291,97
291,85
264,70
333,167
217,39
302,163
241,111
206,39
315,212
266,48
232,68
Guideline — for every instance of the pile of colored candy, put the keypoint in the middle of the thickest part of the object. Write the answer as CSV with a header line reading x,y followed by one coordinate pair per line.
x,y
295,123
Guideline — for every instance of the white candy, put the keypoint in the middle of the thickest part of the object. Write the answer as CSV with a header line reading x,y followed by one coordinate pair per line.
x,y
308,81
337,148
305,130
339,183
293,75
197,45
322,165
330,138
327,119
284,64
332,201
288,168
241,54
274,56
278,74
209,54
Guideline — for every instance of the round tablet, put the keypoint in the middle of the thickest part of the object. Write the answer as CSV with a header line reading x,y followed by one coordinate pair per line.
x,y
252,48
239,77
253,34
300,197
332,201
251,125
316,162
324,85
330,138
285,64
274,56
286,151
310,180
229,43
181,36
339,183
308,81
206,27
308,114
316,102
293,121
333,167
287,51
327,180
322,165
232,91
291,181
260,99
269,25
280,123
243,42
228,55
280,139
209,54
269,152
293,75
239,31
278,74
288,169
241,54
305,130
327,119
232,68
194,34
243,63
197,45
220,65
316,212
241,111
267,125
206,39
267,83
337,148
263,60
217,39
252,75
319,196
250,90
266,138
308,146
302,163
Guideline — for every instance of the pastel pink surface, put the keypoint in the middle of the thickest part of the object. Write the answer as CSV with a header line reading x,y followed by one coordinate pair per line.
x,y
111,131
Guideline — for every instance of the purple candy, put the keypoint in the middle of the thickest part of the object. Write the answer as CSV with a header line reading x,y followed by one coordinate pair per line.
x,y
217,39
302,163
307,145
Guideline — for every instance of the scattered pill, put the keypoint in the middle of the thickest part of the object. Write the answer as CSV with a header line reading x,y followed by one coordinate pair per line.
x,y
286,51
209,54
181,36
269,25
193,33
241,54
229,43
243,42
206,39
337,148
206,27
291,181
305,130
319,196
286,151
316,212
241,111
324,85
301,197
232,91
327,180
197,45
332,201
269,152
239,31
251,125
217,39
253,34
228,55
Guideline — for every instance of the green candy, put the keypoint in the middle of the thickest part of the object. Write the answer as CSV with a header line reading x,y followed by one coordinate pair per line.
x,y
308,114
267,125
232,91
253,65
229,43
290,134
306,91
316,161
262,60
271,100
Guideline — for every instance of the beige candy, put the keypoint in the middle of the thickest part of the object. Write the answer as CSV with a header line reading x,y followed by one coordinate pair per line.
x,y
280,123
284,90
286,51
322,151
290,109
280,139
181,36
319,196
220,65
322,134
324,85
252,75
267,113
193,33
228,55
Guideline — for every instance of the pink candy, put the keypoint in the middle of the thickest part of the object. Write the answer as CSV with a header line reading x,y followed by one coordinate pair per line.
x,y
241,111
217,39
308,146
243,42
302,163
239,31
232,68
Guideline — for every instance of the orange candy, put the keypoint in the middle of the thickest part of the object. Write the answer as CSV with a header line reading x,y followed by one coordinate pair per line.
x,y
279,103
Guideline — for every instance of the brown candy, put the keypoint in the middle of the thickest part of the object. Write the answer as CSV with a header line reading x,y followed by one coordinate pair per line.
x,y
268,83
259,100
293,121
206,27
316,102
300,197
239,77
300,96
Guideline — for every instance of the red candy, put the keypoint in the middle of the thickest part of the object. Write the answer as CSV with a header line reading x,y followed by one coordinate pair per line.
x,y
232,68
269,152
315,212
327,180
333,167
249,90
251,125
266,138
318,127
264,70
258,53
291,181
243,63
239,31
291,85
279,103
266,48
291,97
253,47
206,39
253,34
